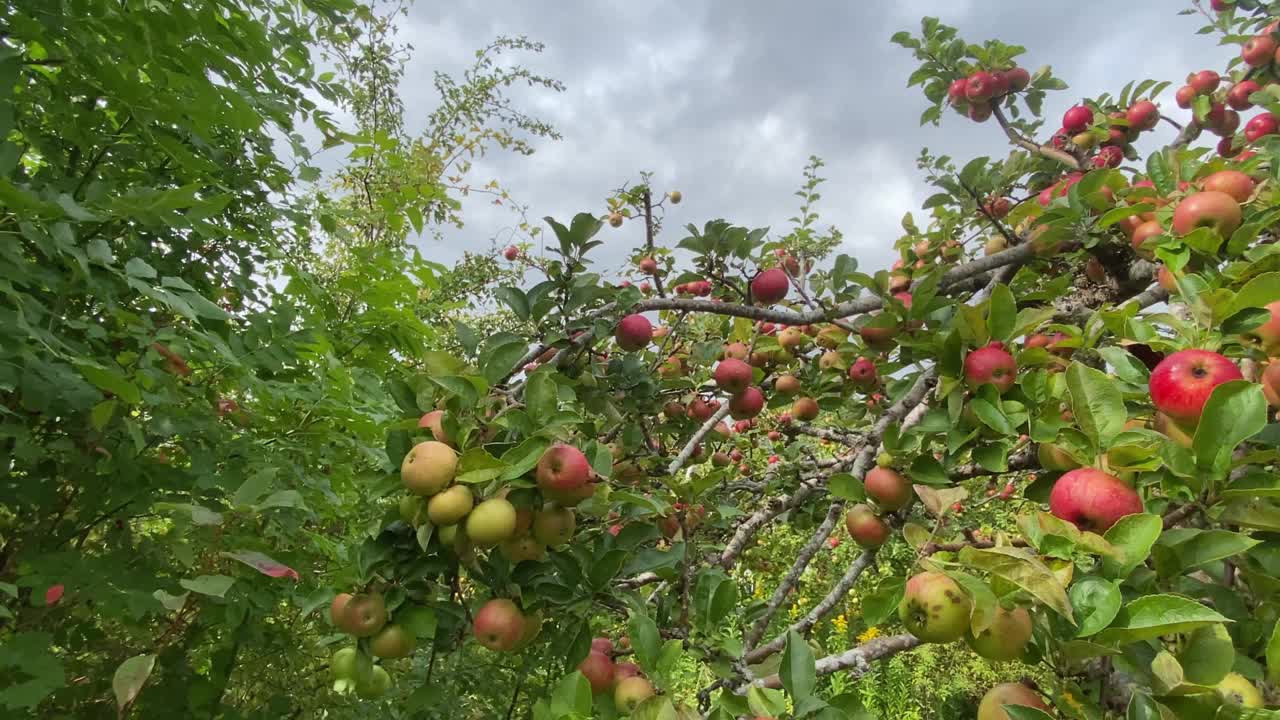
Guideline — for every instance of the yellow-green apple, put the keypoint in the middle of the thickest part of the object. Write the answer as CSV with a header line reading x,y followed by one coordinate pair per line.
x,y
1173,429
1236,689
393,641
770,286
1007,637
1181,384
554,526
518,549
887,488
634,332
733,376
831,337
498,625
746,404
364,615
1053,457
562,468
532,627
343,663
990,365
935,608
865,527
491,522
450,506
615,219
878,337
804,408
792,339
1092,500
992,705
429,468
630,692
375,685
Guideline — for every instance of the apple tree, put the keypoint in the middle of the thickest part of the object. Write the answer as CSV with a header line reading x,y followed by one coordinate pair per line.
x,y
1076,333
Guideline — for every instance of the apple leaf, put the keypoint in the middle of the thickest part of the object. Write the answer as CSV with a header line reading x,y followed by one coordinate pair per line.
x,y
130,677
1151,616
572,696
1024,569
798,671
1002,313
476,466
214,585
1096,403
983,599
1097,601
1235,412
1133,536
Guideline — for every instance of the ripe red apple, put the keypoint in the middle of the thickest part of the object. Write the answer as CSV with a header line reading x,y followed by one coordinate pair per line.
x,y
980,87
648,266
787,384
935,608
634,332
701,410
1108,157
1018,78
956,91
865,527
887,488
992,705
498,625
1143,115
1227,147
434,421
1238,95
1076,119
1260,126
733,376
1181,384
1185,96
1166,280
1204,82
1232,182
805,408
511,252
337,607
746,404
363,615
1267,335
770,286
1092,500
562,468
990,365
1144,232
598,669
1258,51
1007,637
979,112
1222,121
863,372
1212,209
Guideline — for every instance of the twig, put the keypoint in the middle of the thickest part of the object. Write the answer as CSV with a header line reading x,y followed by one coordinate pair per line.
x,y
1016,138
856,661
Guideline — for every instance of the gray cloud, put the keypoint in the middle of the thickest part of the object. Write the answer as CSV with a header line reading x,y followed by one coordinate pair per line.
x,y
726,101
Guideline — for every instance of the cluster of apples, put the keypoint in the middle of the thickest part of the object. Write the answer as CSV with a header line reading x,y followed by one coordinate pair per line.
x,y
624,679
890,492
1110,134
975,94
364,616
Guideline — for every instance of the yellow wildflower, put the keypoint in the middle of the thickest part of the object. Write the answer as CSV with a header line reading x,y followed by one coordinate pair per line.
x,y
841,623
870,633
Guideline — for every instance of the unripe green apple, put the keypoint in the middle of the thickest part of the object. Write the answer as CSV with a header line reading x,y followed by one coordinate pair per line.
x,y
519,549
553,526
1007,637
491,522
935,608
376,685
412,510
393,641
343,663
450,506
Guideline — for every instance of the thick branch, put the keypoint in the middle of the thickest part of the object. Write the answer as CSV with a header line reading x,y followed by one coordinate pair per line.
x,y
687,451
856,661
802,561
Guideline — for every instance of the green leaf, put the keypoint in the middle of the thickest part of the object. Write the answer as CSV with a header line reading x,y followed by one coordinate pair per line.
x,y
541,395
1235,412
1133,536
515,299
798,671
880,604
1199,547
1151,616
213,585
130,677
1024,569
476,466
113,382
1023,712
644,640
1002,313
1097,602
101,414
500,361
572,696
524,457
1273,655
1097,404
844,485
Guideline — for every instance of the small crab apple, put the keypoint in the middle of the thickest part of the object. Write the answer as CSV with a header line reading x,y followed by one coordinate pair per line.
x,y
1204,82
1076,119
863,372
990,365
511,252
648,266
1238,95
1143,115
634,332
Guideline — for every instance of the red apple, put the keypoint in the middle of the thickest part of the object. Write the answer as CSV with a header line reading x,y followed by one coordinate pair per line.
x,y
1271,384
1260,126
1238,95
889,489
770,286
634,332
1108,157
648,266
1018,78
787,384
1092,500
1143,115
863,372
1227,147
1185,96
498,625
1267,334
991,364
1077,119
1181,384
1258,51
736,350
865,527
746,404
1204,82
511,252
1166,280
1232,182
1142,233
979,112
805,408
563,468
1212,209
599,671
956,91
733,376
980,87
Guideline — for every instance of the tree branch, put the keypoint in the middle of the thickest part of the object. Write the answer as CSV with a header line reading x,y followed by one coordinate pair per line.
x,y
856,661
1016,138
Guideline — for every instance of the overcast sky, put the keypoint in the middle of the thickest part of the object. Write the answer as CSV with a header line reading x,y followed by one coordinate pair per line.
x,y
726,105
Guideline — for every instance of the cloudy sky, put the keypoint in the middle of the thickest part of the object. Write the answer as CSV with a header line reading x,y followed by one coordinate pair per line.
x,y
726,105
